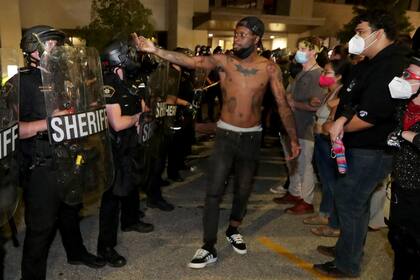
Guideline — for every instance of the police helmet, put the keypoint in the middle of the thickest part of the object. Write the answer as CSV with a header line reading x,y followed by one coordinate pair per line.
x,y
33,38
116,54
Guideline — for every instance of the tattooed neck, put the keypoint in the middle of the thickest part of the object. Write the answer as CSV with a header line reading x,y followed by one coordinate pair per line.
x,y
246,71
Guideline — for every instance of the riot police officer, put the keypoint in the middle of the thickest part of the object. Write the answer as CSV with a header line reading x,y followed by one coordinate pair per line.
x,y
45,211
123,109
9,119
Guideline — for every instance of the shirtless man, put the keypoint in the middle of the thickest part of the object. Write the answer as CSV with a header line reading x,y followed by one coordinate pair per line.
x,y
244,78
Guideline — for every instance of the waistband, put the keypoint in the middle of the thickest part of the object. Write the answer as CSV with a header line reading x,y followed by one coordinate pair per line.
x,y
223,125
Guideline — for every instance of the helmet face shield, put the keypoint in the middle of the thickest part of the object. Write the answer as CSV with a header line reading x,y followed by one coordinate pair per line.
x,y
115,54
49,45
40,38
119,54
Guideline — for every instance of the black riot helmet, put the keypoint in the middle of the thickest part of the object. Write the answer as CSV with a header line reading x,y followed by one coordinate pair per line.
x,y
120,54
116,54
34,37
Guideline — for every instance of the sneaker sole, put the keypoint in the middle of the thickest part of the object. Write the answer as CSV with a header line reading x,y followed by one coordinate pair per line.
x,y
240,252
278,192
202,265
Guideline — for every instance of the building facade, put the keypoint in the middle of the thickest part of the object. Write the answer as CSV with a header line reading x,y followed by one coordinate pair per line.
x,y
188,23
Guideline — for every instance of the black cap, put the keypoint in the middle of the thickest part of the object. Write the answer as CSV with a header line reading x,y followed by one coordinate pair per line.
x,y
254,24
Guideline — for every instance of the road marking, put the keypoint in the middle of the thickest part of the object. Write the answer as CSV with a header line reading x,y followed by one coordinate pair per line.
x,y
294,259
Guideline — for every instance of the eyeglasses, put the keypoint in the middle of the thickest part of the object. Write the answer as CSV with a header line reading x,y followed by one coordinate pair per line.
x,y
241,35
408,75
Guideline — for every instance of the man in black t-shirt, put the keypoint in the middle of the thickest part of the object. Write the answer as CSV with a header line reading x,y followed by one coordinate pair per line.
x,y
364,118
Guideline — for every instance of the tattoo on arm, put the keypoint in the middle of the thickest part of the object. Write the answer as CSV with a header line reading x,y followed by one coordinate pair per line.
x,y
288,120
204,62
176,58
246,71
284,109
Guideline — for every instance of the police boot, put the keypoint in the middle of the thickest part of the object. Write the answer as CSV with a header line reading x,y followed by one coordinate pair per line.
x,y
112,257
89,260
160,204
140,226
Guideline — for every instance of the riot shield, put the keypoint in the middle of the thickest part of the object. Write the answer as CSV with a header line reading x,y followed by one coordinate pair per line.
x,y
77,125
163,87
9,121
156,124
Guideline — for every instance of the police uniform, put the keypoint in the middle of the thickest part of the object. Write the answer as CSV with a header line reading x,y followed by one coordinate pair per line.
x,y
182,140
124,190
157,152
44,209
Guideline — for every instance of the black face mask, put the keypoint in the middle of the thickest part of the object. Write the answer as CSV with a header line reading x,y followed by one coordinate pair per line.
x,y
244,52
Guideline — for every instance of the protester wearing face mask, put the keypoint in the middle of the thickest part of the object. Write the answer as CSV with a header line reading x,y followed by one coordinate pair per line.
x,y
305,99
331,79
404,219
364,118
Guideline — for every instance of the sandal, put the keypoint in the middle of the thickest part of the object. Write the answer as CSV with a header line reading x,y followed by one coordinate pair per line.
x,y
316,220
326,231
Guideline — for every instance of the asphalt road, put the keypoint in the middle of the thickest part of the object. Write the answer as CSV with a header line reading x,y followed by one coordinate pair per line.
x,y
280,246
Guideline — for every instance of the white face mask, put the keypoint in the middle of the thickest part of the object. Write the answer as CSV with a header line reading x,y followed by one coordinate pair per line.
x,y
400,88
357,44
301,57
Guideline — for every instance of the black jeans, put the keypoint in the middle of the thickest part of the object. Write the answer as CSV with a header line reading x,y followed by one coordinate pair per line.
x,y
176,152
44,212
404,232
233,151
110,212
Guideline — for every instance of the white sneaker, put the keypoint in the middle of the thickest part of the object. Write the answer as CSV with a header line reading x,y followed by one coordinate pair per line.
x,y
202,258
278,190
237,242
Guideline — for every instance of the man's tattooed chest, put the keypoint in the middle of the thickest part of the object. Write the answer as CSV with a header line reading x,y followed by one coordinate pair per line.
x,y
246,71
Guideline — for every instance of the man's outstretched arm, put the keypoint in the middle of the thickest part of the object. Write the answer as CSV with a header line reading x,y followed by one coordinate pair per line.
x,y
206,62
284,109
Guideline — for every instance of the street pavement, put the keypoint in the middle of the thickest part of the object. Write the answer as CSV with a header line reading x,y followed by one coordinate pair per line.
x,y
280,246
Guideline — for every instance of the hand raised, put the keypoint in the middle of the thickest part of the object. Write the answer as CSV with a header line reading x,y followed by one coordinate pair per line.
x,y
143,44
